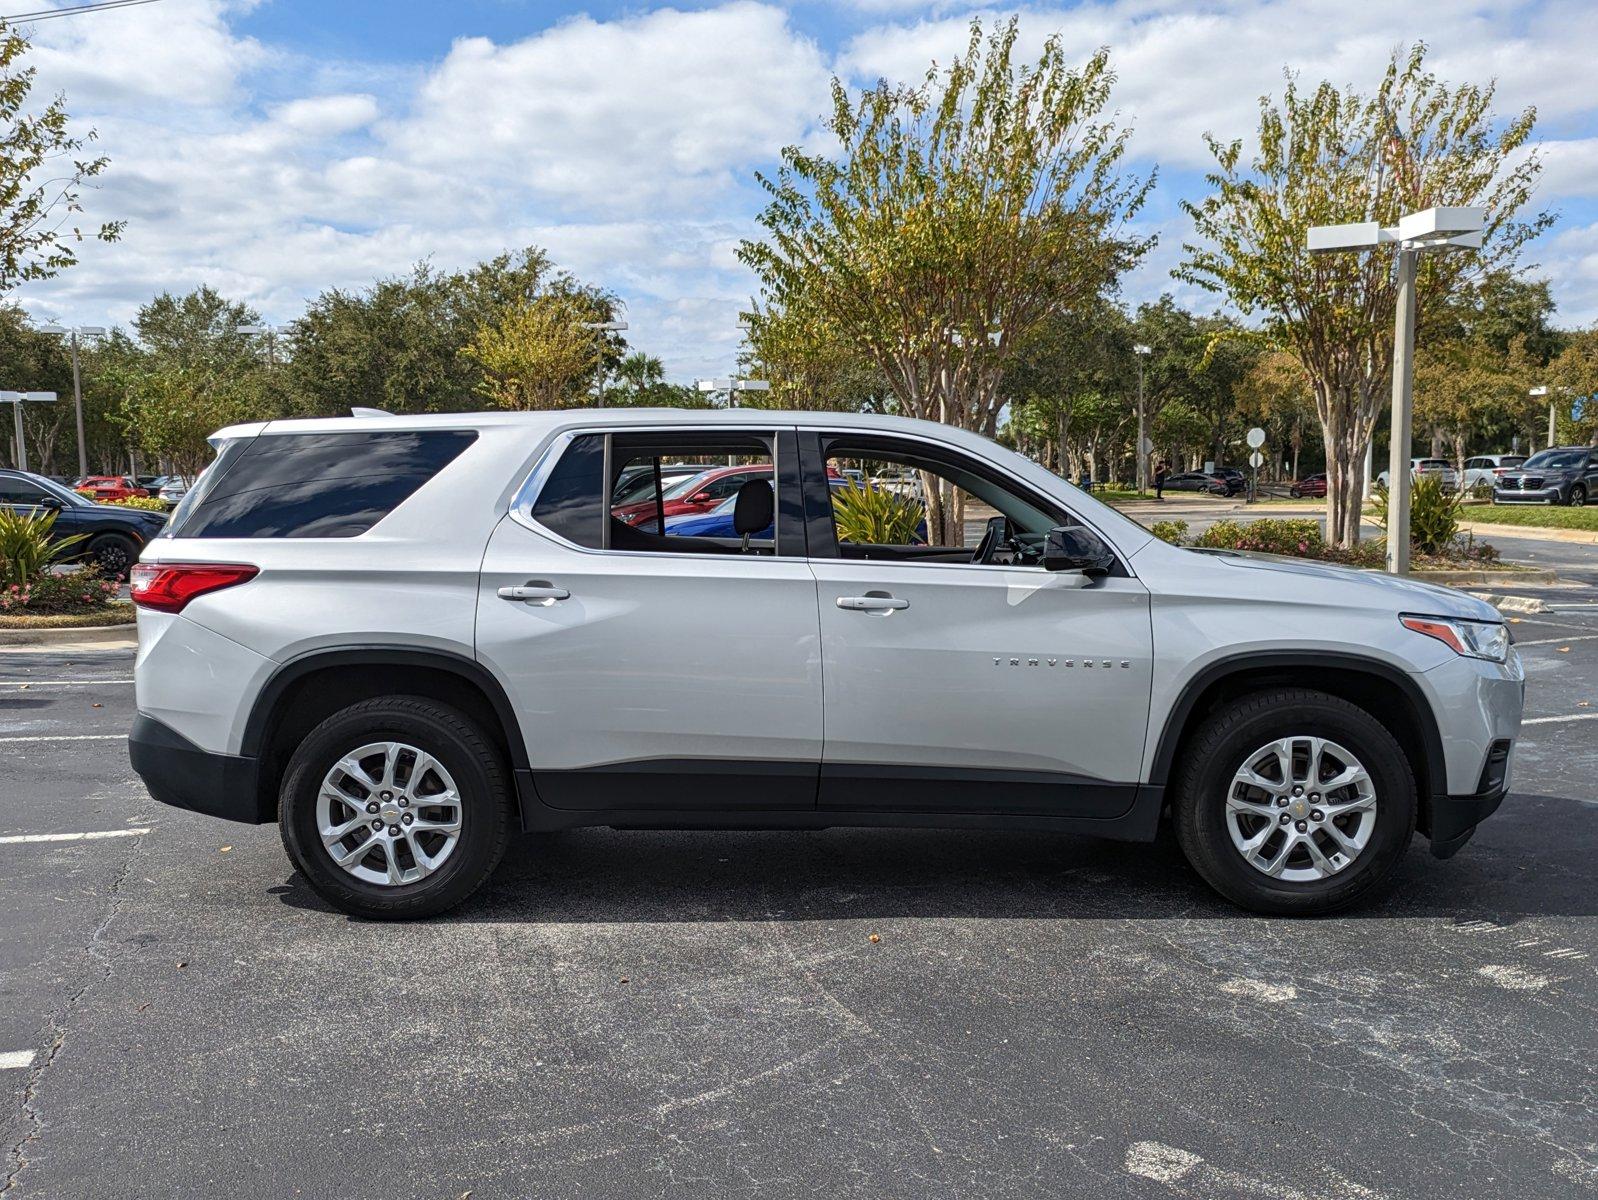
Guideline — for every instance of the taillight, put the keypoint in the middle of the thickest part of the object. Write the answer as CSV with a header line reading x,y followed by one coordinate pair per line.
x,y
167,587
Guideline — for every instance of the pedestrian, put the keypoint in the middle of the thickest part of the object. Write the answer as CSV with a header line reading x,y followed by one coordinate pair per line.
x,y
1160,472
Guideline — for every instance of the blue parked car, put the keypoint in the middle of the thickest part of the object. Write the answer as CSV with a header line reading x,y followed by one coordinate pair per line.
x,y
718,523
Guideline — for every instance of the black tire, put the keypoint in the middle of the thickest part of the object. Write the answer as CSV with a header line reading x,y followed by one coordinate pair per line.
x,y
114,554
1578,496
1296,493
464,750
1219,747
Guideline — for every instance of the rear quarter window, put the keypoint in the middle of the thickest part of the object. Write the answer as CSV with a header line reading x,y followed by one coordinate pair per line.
x,y
316,485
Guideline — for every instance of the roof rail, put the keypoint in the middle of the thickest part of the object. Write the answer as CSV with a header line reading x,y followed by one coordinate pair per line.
x,y
369,412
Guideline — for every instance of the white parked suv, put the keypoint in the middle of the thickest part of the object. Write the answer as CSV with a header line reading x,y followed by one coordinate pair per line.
x,y
402,638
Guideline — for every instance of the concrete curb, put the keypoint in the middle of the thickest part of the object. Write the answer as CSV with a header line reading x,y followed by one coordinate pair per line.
x,y
112,635
1467,578
1532,533
1514,604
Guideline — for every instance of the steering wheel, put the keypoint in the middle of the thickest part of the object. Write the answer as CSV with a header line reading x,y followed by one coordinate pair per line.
x,y
997,534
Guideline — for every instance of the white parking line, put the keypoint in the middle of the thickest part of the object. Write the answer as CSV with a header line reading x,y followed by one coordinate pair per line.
x,y
16,839
69,737
62,682
1592,716
1580,637
11,1060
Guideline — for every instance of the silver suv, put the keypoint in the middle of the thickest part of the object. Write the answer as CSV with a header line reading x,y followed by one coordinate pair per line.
x,y
403,638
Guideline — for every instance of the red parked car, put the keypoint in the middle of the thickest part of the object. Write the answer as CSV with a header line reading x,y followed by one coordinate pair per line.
x,y
103,489
1310,485
695,493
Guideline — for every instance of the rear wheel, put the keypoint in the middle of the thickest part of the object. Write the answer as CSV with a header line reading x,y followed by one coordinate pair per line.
x,y
396,808
1294,802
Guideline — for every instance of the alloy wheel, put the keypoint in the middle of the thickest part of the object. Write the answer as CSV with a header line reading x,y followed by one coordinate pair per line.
x,y
388,813
1301,808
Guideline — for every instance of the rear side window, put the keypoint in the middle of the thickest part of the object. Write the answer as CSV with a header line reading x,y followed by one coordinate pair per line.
x,y
316,485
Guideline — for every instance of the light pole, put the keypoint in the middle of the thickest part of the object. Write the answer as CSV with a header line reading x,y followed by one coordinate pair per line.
x,y
603,327
73,333
267,331
1140,352
17,400
732,387
1541,390
1430,229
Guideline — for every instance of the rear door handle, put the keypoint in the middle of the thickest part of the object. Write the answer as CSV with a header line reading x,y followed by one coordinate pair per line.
x,y
871,603
539,593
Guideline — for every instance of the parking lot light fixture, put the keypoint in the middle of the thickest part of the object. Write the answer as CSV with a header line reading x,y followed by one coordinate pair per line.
x,y
1441,228
1139,353
1541,390
603,327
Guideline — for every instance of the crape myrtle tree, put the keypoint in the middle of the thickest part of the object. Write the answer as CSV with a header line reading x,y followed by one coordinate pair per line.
x,y
955,215
42,177
1326,156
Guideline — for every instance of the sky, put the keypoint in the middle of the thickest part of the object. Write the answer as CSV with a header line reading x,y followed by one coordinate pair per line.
x,y
277,148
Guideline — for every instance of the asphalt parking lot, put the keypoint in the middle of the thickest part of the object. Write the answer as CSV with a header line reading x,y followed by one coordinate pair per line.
x,y
707,1014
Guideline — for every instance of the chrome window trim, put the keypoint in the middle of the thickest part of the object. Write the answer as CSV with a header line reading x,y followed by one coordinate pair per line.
x,y
526,496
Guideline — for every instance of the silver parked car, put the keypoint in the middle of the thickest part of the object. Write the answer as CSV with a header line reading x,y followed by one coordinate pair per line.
x,y
402,638
1438,468
1485,470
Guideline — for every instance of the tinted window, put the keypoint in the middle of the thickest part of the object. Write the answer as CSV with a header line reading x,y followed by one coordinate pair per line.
x,y
317,485
1557,460
569,504
20,491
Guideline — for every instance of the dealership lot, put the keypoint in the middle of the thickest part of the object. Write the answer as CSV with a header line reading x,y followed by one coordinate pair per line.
x,y
693,1014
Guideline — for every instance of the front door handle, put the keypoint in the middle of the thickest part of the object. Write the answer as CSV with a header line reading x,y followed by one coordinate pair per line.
x,y
871,603
534,593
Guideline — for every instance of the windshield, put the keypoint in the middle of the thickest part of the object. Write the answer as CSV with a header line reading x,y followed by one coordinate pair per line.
x,y
1556,459
683,486
63,494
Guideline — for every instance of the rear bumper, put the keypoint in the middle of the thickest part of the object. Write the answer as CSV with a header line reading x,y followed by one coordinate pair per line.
x,y
179,773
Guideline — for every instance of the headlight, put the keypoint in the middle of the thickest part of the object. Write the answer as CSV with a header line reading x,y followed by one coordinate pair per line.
x,y
1473,639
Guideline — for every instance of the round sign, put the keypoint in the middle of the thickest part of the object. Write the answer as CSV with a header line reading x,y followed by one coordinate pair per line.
x,y
1256,438
1148,446
1256,459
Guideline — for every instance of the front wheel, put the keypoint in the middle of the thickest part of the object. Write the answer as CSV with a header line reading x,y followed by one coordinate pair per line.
x,y
1293,802
396,808
114,553
1578,496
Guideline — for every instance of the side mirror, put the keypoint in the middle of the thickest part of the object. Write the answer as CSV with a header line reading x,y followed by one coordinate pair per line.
x,y
700,498
1076,548
51,502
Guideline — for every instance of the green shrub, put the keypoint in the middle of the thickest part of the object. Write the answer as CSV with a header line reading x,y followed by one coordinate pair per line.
x,y
1174,532
81,590
147,503
1266,535
26,551
874,516
1433,514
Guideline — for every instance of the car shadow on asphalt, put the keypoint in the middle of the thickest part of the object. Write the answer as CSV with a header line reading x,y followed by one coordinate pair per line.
x,y
609,876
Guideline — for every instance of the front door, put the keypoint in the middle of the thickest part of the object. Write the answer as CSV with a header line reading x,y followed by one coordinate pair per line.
x,y
653,671
959,675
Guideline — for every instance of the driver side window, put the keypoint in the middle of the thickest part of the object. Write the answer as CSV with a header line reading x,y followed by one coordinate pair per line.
x,y
908,503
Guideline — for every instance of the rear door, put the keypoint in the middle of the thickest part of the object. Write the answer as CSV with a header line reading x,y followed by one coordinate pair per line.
x,y
653,671
957,686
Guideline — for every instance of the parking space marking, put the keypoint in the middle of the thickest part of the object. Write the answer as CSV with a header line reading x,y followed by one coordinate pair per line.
x,y
20,683
14,1060
16,839
1580,637
1592,716
83,737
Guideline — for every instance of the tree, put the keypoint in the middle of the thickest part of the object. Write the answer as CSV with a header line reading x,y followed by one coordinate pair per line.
x,y
957,215
809,363
1575,373
1330,156
41,179
1461,383
35,362
399,344
639,381
1277,394
540,353
200,329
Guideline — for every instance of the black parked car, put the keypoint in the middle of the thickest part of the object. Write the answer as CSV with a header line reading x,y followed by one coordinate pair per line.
x,y
113,537
1198,481
1236,481
1557,475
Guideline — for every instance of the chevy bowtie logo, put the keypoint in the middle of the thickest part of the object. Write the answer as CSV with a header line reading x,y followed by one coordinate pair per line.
x,y
1104,663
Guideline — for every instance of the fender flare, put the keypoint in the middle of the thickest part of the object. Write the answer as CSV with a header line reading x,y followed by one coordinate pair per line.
x,y
1176,720
470,670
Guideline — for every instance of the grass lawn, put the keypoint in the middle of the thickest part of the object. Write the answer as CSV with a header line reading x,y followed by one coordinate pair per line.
x,y
1542,516
1117,495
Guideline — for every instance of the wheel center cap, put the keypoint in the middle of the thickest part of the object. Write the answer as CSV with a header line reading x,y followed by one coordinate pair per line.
x,y
1299,809
390,814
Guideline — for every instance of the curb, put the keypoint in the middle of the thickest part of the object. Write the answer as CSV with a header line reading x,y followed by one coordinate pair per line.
x,y
119,635
1514,604
1532,575
1532,533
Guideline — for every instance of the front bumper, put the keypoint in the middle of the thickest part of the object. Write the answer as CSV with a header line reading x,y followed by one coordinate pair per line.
x,y
179,773
1551,495
1454,818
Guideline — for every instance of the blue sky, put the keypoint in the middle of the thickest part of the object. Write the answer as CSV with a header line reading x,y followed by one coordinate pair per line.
x,y
273,148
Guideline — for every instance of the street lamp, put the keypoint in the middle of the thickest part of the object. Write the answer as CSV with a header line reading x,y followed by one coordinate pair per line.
x,y
603,327
1541,390
17,400
267,331
1430,229
73,333
732,387
1139,353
